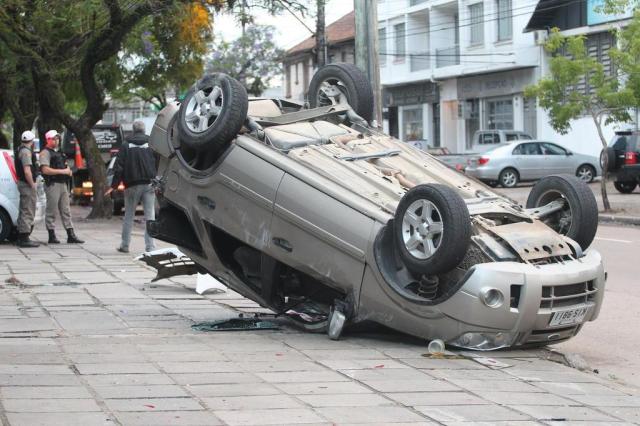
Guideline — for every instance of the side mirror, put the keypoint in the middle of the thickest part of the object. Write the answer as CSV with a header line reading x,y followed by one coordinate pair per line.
x,y
569,153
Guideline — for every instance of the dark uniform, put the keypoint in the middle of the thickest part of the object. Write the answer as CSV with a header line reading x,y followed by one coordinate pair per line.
x,y
28,195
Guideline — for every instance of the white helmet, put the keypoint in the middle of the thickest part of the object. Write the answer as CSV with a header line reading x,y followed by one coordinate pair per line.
x,y
28,136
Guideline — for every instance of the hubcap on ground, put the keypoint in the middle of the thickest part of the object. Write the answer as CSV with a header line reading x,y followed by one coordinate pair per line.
x,y
422,229
203,109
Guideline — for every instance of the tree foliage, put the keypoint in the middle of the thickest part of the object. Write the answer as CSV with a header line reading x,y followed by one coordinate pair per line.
x,y
562,93
254,59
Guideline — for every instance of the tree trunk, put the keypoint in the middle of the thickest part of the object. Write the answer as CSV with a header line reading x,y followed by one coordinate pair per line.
x,y
47,119
605,165
321,42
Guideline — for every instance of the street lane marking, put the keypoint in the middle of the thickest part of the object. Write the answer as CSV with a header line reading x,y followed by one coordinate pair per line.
x,y
613,240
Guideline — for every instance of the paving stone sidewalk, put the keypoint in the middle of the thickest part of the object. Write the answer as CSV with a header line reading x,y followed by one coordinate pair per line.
x,y
86,339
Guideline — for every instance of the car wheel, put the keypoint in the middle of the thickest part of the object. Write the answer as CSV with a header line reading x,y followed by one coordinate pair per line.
x,y
432,229
578,219
212,113
625,187
509,178
5,225
586,173
337,82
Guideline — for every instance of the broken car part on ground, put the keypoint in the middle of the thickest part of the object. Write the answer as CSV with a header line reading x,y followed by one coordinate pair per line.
x,y
294,206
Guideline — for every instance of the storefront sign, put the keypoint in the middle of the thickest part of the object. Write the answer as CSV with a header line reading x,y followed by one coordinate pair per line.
x,y
412,94
595,14
495,84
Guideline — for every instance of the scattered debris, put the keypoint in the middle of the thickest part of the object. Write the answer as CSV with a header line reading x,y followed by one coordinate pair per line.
x,y
13,280
576,361
436,347
236,324
491,362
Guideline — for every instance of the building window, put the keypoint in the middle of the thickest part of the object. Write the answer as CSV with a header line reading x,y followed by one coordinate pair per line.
x,y
499,113
382,40
399,31
471,115
412,128
287,81
297,73
476,24
108,117
505,25
598,46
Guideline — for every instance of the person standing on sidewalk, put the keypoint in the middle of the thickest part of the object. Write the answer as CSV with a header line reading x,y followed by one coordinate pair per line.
x,y
25,165
135,166
53,166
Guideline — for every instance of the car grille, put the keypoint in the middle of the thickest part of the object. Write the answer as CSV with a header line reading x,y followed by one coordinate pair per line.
x,y
561,296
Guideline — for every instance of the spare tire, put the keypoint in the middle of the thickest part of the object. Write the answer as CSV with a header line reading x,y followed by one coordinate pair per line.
x,y
578,219
432,229
212,113
611,156
350,82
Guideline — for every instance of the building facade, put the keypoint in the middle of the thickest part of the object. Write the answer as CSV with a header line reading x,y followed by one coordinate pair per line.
x,y
452,67
299,60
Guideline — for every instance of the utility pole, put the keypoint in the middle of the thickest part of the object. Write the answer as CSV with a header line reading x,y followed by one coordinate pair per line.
x,y
321,42
367,48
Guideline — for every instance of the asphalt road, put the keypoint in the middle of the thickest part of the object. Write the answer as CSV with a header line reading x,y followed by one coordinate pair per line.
x,y
610,343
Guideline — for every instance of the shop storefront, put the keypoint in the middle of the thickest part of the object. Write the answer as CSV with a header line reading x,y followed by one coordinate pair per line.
x,y
495,101
412,112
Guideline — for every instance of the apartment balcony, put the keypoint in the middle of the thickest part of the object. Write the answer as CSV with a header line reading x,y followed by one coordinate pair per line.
x,y
448,57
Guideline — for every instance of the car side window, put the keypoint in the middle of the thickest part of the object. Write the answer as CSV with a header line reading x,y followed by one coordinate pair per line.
x,y
551,149
489,138
511,137
518,150
530,149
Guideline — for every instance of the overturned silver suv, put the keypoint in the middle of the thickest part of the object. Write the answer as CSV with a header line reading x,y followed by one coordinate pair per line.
x,y
312,212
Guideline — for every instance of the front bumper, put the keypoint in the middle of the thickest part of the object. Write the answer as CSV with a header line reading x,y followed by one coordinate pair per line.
x,y
531,295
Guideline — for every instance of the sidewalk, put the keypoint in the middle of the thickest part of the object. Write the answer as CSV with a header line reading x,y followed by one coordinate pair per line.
x,y
625,207
85,339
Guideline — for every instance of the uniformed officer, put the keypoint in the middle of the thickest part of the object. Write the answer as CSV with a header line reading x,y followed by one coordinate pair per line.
x,y
53,165
25,165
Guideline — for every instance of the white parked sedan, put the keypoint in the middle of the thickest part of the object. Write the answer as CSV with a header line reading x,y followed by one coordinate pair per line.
x,y
10,198
530,160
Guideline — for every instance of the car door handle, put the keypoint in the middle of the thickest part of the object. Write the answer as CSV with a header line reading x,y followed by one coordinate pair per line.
x,y
283,244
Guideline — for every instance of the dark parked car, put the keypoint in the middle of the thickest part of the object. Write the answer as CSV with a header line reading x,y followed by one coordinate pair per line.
x,y
624,160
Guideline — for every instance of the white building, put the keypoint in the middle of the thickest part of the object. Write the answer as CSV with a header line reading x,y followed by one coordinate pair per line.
x,y
452,67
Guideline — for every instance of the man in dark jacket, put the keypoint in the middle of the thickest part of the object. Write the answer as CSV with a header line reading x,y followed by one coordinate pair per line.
x,y
135,166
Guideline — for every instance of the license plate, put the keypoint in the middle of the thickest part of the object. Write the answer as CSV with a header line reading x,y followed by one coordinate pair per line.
x,y
569,317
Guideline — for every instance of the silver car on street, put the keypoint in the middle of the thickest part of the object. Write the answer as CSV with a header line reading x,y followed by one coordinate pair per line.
x,y
516,162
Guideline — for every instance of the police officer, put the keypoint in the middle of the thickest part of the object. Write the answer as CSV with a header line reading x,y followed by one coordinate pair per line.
x,y
25,165
56,174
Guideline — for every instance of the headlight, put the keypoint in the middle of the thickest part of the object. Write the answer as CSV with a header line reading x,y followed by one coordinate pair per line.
x,y
87,184
484,341
492,297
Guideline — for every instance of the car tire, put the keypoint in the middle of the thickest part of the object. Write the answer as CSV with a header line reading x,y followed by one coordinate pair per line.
x,y
212,113
625,187
611,156
509,178
435,241
579,220
350,80
586,173
5,225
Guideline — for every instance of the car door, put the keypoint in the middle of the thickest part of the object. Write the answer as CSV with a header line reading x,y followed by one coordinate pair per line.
x,y
556,159
528,160
319,235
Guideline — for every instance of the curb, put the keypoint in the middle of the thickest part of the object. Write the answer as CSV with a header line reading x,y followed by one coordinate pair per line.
x,y
627,220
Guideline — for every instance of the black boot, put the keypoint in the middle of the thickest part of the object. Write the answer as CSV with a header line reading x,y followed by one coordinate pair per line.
x,y
52,237
24,241
72,237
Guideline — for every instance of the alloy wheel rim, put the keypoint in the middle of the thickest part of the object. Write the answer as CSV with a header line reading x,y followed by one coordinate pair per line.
x,y
331,92
422,229
509,179
203,109
585,174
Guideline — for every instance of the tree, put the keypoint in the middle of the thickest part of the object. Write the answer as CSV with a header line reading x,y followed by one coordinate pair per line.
x,y
165,53
253,58
578,85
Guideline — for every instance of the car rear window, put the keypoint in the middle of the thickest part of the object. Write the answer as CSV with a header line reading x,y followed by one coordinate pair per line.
x,y
624,142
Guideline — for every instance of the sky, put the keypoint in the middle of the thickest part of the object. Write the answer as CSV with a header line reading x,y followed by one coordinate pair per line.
x,y
289,31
